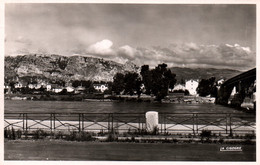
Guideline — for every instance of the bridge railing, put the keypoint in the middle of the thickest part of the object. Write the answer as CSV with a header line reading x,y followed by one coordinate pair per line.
x,y
169,123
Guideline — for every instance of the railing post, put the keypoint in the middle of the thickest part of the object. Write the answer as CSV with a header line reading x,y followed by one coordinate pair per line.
x,y
23,122
79,122
112,123
26,125
161,119
226,123
139,123
82,122
193,123
108,124
51,122
54,118
164,119
230,124
26,122
197,124
143,122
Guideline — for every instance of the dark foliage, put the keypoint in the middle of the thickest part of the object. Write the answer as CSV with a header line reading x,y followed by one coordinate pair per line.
x,y
157,81
207,87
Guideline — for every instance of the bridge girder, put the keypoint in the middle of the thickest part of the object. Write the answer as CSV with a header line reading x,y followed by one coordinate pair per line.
x,y
241,82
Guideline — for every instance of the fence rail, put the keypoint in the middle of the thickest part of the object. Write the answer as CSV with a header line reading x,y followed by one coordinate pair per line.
x,y
224,123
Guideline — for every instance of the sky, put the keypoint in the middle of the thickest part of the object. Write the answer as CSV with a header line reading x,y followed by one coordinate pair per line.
x,y
213,36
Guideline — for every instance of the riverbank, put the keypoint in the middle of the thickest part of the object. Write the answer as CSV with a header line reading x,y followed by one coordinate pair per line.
x,y
102,97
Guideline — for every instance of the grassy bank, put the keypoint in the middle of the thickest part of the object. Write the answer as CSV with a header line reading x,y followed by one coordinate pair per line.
x,y
67,150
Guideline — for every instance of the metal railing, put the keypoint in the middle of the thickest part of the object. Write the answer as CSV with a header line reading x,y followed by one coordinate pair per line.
x,y
194,123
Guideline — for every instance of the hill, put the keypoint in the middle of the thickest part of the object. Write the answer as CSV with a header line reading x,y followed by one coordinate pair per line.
x,y
56,67
203,73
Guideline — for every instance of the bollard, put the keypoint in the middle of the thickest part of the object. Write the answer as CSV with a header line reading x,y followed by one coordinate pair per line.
x,y
151,121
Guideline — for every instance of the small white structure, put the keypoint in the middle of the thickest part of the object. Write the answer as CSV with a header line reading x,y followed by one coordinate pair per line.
x,y
220,82
38,86
31,86
234,91
151,120
191,86
18,85
100,87
48,86
179,87
70,89
7,86
57,90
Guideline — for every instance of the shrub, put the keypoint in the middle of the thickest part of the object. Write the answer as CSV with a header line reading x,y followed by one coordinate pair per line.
x,y
19,134
39,134
71,136
221,140
205,133
84,136
112,137
12,134
101,133
7,133
58,135
155,131
250,136
79,136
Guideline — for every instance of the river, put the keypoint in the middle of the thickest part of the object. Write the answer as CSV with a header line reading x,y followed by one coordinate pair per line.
x,y
111,107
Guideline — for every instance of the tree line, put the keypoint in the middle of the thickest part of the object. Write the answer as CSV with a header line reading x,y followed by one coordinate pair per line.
x,y
155,81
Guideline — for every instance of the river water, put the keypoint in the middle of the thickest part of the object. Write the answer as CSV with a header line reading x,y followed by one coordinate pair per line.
x,y
111,107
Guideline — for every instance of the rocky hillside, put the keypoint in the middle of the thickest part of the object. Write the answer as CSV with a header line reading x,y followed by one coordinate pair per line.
x,y
56,67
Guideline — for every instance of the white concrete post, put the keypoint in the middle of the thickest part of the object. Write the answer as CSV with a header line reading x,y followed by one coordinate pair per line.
x,y
151,120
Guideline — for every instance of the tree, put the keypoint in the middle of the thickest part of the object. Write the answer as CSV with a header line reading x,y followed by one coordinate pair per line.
x,y
186,92
109,90
118,83
182,81
132,83
158,80
207,87
76,83
146,78
91,89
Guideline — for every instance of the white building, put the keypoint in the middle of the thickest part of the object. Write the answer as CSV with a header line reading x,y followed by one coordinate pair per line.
x,y
220,82
18,85
48,87
70,89
100,87
191,86
31,86
179,87
57,90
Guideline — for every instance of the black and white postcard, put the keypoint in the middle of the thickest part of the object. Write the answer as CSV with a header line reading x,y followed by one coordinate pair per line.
x,y
143,82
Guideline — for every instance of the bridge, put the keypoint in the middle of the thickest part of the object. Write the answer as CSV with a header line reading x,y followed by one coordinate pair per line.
x,y
234,90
